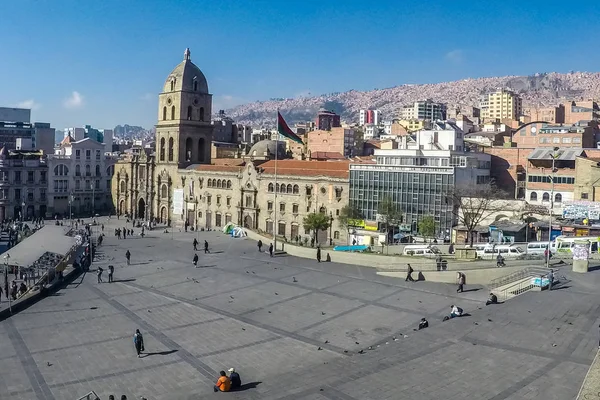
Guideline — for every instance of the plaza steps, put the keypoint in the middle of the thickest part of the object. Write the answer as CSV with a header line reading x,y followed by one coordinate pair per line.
x,y
513,289
517,283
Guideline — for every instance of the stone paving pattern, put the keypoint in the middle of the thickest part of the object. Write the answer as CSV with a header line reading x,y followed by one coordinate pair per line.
x,y
268,317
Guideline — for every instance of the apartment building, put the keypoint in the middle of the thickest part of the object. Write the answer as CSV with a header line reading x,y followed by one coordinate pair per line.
x,y
80,178
424,110
501,104
23,184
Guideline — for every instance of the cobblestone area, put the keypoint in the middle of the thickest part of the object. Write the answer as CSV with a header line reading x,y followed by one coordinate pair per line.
x,y
295,328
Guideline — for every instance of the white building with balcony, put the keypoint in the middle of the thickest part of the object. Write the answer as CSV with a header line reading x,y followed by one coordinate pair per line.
x,y
80,175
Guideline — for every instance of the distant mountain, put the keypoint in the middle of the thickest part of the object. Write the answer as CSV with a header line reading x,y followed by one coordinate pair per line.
x,y
128,131
538,90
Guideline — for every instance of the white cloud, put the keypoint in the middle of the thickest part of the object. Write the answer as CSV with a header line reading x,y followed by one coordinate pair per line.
x,y
28,104
455,56
74,101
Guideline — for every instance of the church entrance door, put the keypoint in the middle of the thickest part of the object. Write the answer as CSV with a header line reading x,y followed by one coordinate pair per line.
x,y
141,212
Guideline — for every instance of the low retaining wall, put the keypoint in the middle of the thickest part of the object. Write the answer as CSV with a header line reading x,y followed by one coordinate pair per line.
x,y
480,276
393,263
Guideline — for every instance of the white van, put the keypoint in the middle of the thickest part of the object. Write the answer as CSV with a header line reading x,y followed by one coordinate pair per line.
x,y
537,247
420,250
507,251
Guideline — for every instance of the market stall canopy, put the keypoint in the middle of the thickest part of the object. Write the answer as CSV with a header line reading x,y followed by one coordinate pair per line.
x,y
48,239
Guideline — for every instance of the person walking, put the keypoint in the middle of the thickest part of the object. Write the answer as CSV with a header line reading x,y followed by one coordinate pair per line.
x,y
461,282
124,233
138,342
111,270
318,253
259,244
550,279
195,243
206,250
409,274
271,250
99,272
128,257
195,260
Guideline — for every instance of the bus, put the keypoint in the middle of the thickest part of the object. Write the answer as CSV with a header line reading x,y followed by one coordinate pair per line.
x,y
564,244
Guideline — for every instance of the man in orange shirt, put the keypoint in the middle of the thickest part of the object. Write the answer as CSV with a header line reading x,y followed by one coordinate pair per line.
x,y
223,384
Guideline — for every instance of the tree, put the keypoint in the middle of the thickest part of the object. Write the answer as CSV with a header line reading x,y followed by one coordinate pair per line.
x,y
426,226
389,213
315,222
473,204
348,215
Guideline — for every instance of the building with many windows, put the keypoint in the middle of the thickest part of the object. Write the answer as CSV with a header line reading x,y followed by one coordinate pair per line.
x,y
424,110
501,104
419,177
180,182
23,184
80,178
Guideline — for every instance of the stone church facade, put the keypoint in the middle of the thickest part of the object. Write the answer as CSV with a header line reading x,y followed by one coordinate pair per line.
x,y
242,191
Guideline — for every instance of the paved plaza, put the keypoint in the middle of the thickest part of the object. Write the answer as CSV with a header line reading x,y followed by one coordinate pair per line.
x,y
292,328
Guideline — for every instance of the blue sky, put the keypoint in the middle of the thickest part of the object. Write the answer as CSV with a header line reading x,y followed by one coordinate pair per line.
x,y
104,62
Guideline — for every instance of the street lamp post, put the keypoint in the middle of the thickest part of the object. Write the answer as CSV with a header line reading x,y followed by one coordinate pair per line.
x,y
71,198
330,225
6,258
552,178
93,198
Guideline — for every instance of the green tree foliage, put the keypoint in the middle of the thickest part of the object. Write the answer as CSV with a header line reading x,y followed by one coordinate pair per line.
x,y
315,222
426,226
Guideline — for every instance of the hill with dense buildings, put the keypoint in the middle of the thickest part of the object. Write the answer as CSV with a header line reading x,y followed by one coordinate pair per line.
x,y
538,90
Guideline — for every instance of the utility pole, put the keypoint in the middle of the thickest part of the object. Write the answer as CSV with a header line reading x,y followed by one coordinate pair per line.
x,y
554,155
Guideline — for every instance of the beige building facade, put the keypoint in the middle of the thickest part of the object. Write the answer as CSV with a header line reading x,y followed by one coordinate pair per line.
x,y
501,105
178,183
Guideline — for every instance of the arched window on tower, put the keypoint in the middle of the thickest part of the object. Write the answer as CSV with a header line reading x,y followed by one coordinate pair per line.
x,y
172,85
164,113
163,191
162,146
173,112
188,149
195,86
189,113
201,150
201,113
170,149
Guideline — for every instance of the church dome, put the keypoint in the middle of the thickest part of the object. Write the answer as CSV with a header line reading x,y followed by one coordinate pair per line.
x,y
186,76
266,148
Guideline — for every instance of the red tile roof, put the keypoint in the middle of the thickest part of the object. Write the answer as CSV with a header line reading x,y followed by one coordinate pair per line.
x,y
67,141
333,169
327,155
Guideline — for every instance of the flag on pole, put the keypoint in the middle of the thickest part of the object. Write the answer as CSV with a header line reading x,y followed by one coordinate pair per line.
x,y
285,131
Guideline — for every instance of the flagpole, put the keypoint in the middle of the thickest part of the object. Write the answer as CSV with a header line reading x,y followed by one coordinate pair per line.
x,y
275,224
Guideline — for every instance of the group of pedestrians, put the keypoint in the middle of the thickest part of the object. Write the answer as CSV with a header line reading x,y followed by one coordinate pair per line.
x,y
206,251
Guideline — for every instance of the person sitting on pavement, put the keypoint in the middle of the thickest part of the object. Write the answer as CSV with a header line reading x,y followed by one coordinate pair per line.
x,y
223,384
234,377
493,299
499,261
455,311
423,324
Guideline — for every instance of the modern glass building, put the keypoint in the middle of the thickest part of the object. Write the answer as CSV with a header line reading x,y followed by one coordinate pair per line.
x,y
420,182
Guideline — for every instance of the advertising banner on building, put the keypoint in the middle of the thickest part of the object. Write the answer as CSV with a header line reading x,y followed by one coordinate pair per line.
x,y
581,210
178,201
